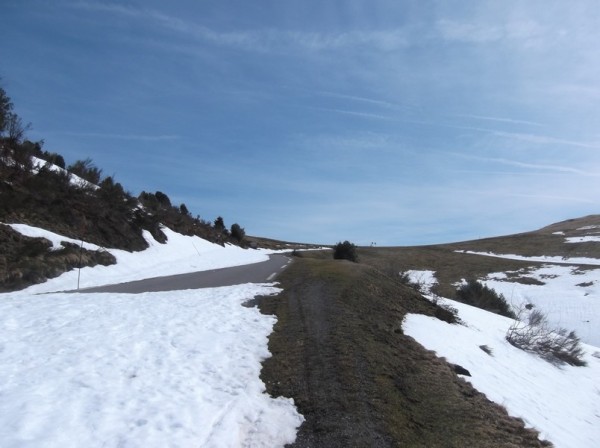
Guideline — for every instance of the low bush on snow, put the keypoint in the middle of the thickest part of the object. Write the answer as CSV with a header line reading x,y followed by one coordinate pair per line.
x,y
532,332
477,294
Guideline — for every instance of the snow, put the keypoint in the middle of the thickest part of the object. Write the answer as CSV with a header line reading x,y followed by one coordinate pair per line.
x,y
181,254
424,279
543,259
73,178
563,403
168,369
177,369
583,239
569,297
589,228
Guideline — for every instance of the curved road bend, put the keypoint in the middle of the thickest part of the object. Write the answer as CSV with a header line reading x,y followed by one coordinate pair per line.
x,y
262,272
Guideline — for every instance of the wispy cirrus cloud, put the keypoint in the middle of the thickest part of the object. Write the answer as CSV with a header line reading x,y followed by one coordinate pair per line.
x,y
261,40
137,137
527,165
526,32
357,113
361,99
500,119
547,140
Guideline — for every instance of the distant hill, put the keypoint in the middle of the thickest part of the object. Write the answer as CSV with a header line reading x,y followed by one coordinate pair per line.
x,y
572,239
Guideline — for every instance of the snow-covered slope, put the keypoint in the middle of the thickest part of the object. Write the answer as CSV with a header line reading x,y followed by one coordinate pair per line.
x,y
570,297
181,254
562,402
172,369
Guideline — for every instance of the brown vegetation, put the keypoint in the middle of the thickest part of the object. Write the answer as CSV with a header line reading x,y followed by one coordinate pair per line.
x,y
339,351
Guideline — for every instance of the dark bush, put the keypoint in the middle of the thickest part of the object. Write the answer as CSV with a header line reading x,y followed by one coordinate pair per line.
x,y
477,294
219,224
345,251
163,199
54,158
86,170
237,232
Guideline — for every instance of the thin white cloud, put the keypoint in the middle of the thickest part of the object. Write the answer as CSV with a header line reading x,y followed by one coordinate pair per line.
x,y
500,119
547,140
369,101
552,197
383,40
264,39
525,32
535,166
355,113
528,165
468,32
137,137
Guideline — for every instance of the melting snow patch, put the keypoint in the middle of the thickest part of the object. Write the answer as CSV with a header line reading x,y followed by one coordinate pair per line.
x,y
543,259
177,369
583,239
562,403
569,297
589,228
425,280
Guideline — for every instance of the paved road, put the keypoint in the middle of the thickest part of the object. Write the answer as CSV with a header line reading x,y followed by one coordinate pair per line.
x,y
251,273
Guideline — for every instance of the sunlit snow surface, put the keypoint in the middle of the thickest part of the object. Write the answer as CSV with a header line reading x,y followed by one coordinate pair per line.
x,y
168,369
544,259
569,297
181,254
563,403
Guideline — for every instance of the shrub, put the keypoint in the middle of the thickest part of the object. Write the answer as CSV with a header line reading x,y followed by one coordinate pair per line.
x,y
163,199
86,170
237,232
534,334
219,224
477,294
345,251
54,158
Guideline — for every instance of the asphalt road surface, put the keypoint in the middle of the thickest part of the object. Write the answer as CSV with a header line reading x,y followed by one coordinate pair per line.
x,y
263,272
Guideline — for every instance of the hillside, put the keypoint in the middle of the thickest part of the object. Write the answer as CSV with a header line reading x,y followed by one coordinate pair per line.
x,y
38,189
351,341
453,262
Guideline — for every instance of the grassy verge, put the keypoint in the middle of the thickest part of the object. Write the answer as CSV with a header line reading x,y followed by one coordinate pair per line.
x,y
339,351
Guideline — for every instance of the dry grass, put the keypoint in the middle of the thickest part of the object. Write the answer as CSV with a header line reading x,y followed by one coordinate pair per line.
x,y
452,266
339,351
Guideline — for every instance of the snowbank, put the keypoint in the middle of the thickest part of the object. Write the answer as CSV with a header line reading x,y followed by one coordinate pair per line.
x,y
569,297
169,369
563,403
177,369
181,254
544,259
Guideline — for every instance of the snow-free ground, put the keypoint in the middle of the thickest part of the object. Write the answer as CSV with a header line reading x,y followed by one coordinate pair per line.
x,y
168,369
562,402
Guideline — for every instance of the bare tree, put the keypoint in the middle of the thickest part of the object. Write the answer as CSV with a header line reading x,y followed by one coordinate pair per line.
x,y
15,129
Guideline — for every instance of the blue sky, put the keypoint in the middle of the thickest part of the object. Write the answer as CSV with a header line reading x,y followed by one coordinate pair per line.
x,y
395,122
